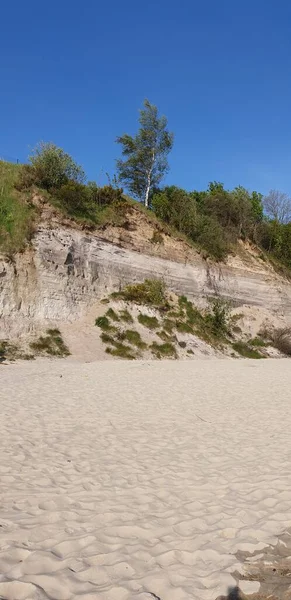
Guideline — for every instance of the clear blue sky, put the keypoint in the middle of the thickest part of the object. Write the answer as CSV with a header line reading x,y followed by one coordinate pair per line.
x,y
76,73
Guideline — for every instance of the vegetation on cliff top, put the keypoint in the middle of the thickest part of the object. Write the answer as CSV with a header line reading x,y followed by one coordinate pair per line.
x,y
214,220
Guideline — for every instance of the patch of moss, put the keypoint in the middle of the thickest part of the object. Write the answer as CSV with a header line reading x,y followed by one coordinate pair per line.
x,y
146,321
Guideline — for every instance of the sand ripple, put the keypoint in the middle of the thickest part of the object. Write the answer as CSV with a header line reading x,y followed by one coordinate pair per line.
x,y
129,481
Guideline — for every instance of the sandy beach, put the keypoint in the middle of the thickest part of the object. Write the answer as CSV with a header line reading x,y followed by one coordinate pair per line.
x,y
132,481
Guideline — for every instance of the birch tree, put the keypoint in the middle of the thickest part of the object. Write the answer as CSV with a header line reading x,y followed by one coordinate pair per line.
x,y
144,161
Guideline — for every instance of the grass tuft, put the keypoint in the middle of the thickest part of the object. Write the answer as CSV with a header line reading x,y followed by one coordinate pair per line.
x,y
111,314
52,344
146,321
166,349
245,350
125,316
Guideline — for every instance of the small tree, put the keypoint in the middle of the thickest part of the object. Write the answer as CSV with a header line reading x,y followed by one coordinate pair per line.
x,y
277,206
145,161
53,167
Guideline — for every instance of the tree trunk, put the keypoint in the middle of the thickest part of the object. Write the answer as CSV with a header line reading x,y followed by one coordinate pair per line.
x,y
149,181
146,200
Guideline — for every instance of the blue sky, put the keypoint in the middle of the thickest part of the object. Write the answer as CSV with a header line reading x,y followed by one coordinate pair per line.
x,y
76,73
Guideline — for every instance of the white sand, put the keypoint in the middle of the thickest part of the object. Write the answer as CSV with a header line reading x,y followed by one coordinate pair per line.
x,y
122,480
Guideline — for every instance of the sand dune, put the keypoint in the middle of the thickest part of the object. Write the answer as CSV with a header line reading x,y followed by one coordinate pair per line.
x,y
123,481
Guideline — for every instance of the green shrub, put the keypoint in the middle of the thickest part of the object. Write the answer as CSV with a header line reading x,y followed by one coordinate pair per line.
x,y
211,237
219,317
53,167
105,196
245,350
74,198
150,292
150,322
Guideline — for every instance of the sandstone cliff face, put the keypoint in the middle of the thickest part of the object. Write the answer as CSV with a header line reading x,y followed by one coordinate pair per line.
x,y
67,270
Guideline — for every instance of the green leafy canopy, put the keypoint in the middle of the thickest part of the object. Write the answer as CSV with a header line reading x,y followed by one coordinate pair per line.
x,y
145,155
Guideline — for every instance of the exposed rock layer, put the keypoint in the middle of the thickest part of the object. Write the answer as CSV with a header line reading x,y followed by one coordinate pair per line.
x,y
67,270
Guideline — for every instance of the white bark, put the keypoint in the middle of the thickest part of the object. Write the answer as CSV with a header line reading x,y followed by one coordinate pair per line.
x,y
149,181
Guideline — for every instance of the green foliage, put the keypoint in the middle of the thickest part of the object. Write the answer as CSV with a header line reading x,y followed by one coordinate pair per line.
x,y
183,327
211,237
150,292
16,215
104,324
177,208
124,315
111,314
107,338
219,317
167,350
245,350
258,342
145,154
121,351
146,321
213,219
53,167
169,325
52,344
133,337
74,198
